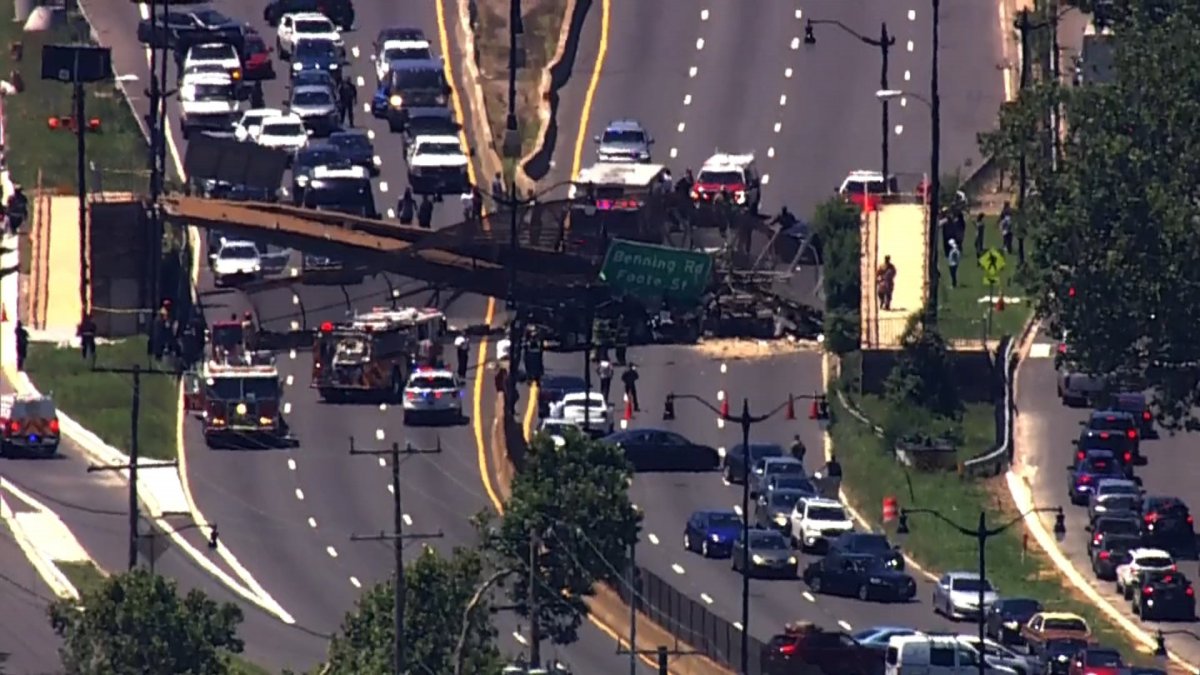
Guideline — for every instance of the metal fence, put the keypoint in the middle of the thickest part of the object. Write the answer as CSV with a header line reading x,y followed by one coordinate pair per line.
x,y
690,621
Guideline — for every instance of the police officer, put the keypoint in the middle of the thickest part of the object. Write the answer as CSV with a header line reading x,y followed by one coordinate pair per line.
x,y
605,371
87,336
425,213
533,357
18,209
629,378
257,98
621,340
22,344
463,347
798,448
347,99
407,207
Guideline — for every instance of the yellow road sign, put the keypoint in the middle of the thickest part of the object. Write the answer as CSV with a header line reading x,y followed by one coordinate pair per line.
x,y
992,262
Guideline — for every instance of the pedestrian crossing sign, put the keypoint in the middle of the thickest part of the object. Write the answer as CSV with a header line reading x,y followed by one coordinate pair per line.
x,y
992,262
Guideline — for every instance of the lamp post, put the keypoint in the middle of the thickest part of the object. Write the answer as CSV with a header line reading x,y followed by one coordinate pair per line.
x,y
982,533
745,420
884,43
935,178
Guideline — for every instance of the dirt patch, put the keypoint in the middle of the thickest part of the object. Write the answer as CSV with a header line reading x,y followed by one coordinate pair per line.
x,y
543,22
734,349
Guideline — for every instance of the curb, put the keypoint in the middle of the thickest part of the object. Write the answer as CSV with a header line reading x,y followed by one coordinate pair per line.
x,y
545,92
488,157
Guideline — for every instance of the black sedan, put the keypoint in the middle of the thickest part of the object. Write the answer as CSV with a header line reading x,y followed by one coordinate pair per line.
x,y
863,576
355,146
867,543
306,161
659,450
1164,595
1007,615
736,460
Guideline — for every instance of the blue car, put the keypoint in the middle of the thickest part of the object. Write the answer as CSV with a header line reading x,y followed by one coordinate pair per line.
x,y
379,101
318,55
1095,466
712,533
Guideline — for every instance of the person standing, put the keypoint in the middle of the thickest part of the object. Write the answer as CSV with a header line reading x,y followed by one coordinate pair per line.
x,y
463,348
87,337
952,260
407,208
980,236
498,192
17,209
22,344
605,371
347,99
885,280
425,213
1006,228
629,378
799,450
533,357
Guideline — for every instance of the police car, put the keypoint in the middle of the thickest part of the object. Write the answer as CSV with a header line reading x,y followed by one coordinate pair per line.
x,y
433,394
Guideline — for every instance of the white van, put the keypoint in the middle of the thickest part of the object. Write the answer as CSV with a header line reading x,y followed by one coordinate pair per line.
x,y
934,655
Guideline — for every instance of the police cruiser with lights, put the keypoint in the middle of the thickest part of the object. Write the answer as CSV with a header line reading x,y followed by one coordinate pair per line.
x,y
432,394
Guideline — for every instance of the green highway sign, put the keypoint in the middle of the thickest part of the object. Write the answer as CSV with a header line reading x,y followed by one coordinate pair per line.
x,y
651,271
992,262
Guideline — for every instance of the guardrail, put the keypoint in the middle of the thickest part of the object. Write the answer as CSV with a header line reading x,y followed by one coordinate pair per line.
x,y
995,460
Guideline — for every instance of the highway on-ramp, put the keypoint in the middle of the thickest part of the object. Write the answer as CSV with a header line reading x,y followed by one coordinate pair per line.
x,y
26,637
1046,430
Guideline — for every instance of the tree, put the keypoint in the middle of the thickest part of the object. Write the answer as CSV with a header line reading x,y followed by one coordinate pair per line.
x,y
437,593
923,375
1114,226
137,623
575,499
837,227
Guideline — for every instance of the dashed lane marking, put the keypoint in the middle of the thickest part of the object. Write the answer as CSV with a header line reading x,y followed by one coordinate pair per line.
x,y
909,46
1041,350
771,151
382,462
287,408
704,15
355,51
391,488
787,72
520,638
699,43
899,129
737,625
331,551
291,379
720,423
692,71
674,153
653,538
808,596
778,127
379,434
766,178
382,407
360,82
383,186
912,15
677,568
783,99
299,494
737,509
391,213
706,598
799,14
292,464
795,43
687,99
355,582
907,75
312,522
292,354
845,625
407,519
720,394
724,368
681,127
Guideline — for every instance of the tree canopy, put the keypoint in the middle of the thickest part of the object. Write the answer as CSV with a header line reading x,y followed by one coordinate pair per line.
x,y
1114,222
836,225
137,623
438,591
575,499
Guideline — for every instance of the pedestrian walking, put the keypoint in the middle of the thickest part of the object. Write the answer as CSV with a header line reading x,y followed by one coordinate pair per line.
x,y
347,100
980,236
406,207
1006,227
629,378
605,371
952,260
885,279
17,209
799,450
463,348
87,337
22,344
425,213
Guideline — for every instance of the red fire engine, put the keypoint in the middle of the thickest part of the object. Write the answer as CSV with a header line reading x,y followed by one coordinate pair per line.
x,y
372,355
236,393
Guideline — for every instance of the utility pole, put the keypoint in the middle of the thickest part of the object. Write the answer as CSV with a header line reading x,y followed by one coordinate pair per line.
x,y
134,455
535,627
935,179
1024,26
662,656
397,537
512,151
633,596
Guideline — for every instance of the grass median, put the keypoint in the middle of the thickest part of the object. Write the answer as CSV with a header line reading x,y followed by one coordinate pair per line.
x,y
1014,563
963,311
101,401
116,152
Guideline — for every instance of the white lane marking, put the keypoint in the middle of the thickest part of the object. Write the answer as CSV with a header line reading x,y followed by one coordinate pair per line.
x,y
383,186
706,598
291,379
379,434
371,134
704,15
721,452
360,82
312,522
634,507
382,462
331,551
724,367
1041,350
778,127
737,625
899,129
909,46
845,625
699,43
808,596
295,325
677,568
687,99
795,43
299,494
737,509
391,213
653,538
355,582
787,72
721,395
382,407
366,107
783,99
295,299
355,52
770,153
292,464
287,407
674,153
692,71
391,488
520,638
624,425
903,101
720,423
292,354
293,272
407,519
912,15
377,160
681,127
766,178
907,75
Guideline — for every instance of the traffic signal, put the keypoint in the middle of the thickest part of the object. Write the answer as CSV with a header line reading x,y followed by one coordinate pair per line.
x,y
1071,292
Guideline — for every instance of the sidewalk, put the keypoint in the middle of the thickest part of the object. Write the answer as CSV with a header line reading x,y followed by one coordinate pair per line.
x,y
898,231
52,304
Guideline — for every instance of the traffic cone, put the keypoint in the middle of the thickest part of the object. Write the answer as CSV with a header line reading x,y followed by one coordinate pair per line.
x,y
813,411
791,408
1000,303
725,407
628,408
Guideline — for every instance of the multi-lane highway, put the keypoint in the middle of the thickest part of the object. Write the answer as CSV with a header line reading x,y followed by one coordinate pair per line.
x,y
28,641
1046,429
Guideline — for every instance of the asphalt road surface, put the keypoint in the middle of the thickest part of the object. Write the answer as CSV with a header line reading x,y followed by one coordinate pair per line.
x,y
26,638
1050,427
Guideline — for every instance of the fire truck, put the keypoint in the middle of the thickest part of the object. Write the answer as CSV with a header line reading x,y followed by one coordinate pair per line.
x,y
372,355
236,392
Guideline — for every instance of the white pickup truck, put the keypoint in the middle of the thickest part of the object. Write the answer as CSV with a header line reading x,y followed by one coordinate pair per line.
x,y
816,522
438,165
208,102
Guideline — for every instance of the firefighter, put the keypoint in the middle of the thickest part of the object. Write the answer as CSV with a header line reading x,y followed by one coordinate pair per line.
x,y
463,346
605,371
629,378
22,344
533,357
87,336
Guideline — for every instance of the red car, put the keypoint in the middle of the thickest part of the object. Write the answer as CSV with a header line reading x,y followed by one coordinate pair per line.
x,y
1096,661
256,59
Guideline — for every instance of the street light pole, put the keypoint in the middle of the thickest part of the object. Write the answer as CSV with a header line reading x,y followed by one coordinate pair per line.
x,y
935,169
982,533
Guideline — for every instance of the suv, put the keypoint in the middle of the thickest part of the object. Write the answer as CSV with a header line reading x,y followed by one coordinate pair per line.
x,y
624,141
432,394
1135,404
235,261
30,426
1076,389
1167,524
1117,422
865,188
437,165
341,12
305,26
805,644
414,87
736,174
816,522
